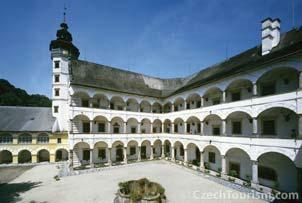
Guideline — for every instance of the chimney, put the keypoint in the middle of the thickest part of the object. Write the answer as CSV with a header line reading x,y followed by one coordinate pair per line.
x,y
270,34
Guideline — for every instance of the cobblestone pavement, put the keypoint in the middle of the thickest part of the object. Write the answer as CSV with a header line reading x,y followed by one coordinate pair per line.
x,y
182,185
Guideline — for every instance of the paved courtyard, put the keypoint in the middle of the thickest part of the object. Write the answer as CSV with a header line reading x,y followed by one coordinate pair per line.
x,y
182,185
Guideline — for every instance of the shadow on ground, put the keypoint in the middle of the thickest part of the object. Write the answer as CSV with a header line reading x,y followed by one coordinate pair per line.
x,y
10,192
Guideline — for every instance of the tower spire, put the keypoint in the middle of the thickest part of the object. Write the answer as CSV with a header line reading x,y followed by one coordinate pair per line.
x,y
64,14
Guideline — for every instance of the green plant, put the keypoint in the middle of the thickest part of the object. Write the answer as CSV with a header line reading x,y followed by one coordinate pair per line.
x,y
207,171
207,165
56,177
233,173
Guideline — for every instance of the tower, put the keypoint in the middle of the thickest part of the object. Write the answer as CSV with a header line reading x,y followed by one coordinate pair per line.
x,y
62,51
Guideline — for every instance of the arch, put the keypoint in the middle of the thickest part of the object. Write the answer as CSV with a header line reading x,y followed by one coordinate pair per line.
x,y
132,125
278,80
179,150
43,138
167,126
132,142
146,149
117,103
239,89
101,118
239,123
132,105
118,142
145,106
117,125
212,157
282,165
193,101
167,107
82,153
100,100
43,155
156,107
24,156
146,126
179,126
6,138
157,126
179,104
212,96
278,122
81,124
80,98
81,145
61,155
193,153
6,157
25,138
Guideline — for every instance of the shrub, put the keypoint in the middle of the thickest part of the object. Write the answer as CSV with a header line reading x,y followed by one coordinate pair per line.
x,y
233,173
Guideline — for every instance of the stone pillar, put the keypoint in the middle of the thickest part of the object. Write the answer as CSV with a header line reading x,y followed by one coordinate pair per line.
x,y
125,155
139,158
90,103
108,126
125,108
108,105
172,128
109,157
201,127
15,159
224,96
91,126
138,128
201,101
300,126
151,153
91,158
186,156
223,165
151,128
201,166
255,127
34,158
255,172
185,127
52,158
172,107
163,151
255,93
185,105
172,153
223,127
70,158
125,127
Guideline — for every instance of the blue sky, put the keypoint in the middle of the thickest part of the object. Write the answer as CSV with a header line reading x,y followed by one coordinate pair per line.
x,y
162,38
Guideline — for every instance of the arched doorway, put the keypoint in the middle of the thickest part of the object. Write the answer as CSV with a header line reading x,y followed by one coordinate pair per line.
x,y
43,156
24,156
6,157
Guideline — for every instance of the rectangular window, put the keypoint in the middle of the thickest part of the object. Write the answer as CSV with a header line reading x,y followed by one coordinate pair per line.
x,y
188,127
86,154
102,154
236,96
216,130
212,157
57,64
133,129
85,103
116,129
101,127
86,127
268,127
56,109
132,150
175,128
236,127
268,88
198,104
267,173
59,140
216,101
57,92
57,78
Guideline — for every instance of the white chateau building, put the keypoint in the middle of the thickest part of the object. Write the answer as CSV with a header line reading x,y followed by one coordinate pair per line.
x,y
243,114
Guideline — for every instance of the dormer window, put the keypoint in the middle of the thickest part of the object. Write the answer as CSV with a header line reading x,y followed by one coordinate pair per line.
x,y
57,64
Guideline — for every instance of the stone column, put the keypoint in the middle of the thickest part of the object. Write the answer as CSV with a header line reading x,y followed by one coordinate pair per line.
x,y
138,128
185,105
125,127
255,127
91,158
15,159
172,128
109,157
125,155
151,128
172,153
90,103
255,93
172,107
201,166
151,153
52,158
108,127
163,151
185,127
224,96
300,126
70,158
34,158
186,156
201,101
139,158
223,165
223,127
201,127
91,126
255,172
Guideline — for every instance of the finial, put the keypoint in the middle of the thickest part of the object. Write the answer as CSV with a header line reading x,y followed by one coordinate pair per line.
x,y
64,14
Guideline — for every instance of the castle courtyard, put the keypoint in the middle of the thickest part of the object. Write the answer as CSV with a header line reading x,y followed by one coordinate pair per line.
x,y
182,185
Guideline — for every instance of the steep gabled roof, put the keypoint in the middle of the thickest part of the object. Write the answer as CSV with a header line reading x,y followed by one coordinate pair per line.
x,y
89,74
31,119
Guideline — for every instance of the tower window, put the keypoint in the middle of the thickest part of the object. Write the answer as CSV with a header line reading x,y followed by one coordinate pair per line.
x,y
59,140
57,78
57,64
57,92
56,109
